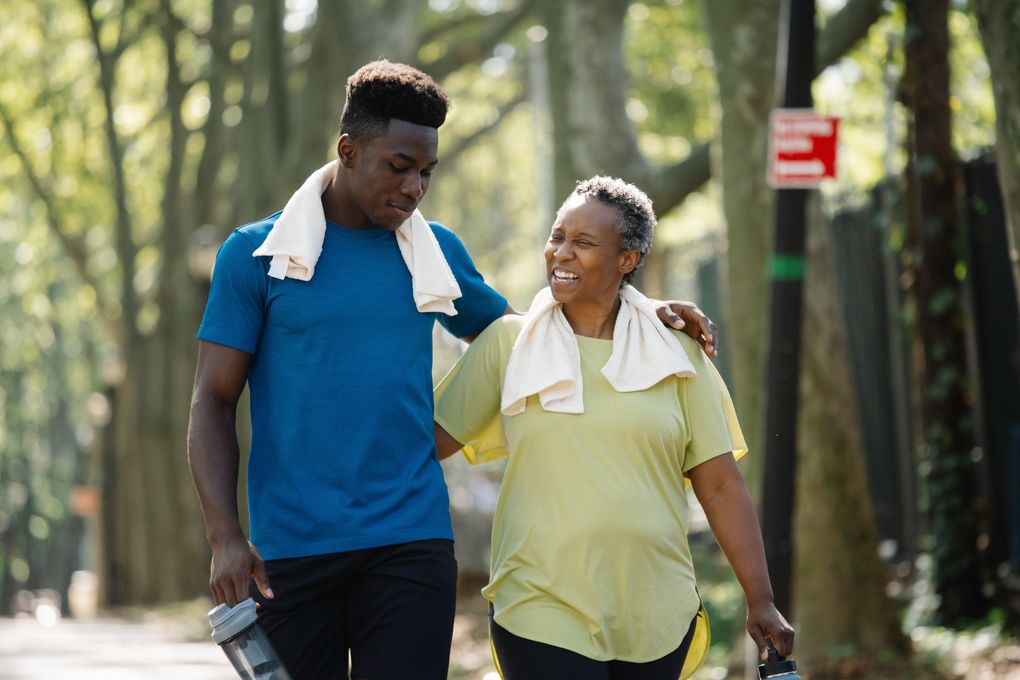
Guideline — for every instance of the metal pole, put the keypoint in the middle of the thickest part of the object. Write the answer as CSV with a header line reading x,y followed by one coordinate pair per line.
x,y
786,271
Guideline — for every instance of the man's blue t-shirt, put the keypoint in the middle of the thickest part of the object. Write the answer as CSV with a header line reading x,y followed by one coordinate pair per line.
x,y
343,452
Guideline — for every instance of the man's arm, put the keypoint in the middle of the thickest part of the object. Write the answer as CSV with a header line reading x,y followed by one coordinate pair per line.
x,y
723,495
446,445
509,311
213,454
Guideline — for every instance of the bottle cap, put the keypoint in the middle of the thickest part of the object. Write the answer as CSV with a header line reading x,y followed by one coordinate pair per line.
x,y
776,666
228,622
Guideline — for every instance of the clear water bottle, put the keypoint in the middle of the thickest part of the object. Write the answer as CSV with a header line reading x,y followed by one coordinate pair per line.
x,y
778,669
234,629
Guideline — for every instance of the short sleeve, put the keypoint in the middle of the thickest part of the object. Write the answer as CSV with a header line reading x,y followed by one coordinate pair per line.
x,y
712,423
235,309
467,399
479,304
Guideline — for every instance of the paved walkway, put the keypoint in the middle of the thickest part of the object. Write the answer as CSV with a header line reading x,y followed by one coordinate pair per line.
x,y
105,650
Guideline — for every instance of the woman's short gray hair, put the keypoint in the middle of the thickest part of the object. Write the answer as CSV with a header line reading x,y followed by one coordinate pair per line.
x,y
637,224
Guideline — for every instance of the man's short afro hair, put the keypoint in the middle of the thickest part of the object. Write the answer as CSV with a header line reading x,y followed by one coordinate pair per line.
x,y
382,90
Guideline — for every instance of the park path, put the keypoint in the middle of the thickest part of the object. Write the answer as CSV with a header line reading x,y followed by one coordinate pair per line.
x,y
106,649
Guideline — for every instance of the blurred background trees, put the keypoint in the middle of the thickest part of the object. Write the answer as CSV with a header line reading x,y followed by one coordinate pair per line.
x,y
137,133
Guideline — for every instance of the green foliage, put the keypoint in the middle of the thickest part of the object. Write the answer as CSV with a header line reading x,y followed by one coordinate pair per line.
x,y
672,81
45,382
488,193
673,95
58,307
863,90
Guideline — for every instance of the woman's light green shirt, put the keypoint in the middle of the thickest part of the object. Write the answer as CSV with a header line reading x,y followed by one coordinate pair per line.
x,y
589,539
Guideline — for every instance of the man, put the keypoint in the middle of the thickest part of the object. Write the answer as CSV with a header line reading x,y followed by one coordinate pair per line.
x,y
347,501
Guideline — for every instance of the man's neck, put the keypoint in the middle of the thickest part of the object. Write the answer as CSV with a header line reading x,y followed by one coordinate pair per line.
x,y
340,208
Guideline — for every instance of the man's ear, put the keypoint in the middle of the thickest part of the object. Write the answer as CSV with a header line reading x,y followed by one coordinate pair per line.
x,y
346,150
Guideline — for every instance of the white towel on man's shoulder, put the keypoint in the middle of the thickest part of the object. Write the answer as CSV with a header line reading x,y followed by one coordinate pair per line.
x,y
295,243
545,359
432,281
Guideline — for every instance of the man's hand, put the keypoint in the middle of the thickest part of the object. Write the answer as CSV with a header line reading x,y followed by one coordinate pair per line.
x,y
234,562
764,622
686,317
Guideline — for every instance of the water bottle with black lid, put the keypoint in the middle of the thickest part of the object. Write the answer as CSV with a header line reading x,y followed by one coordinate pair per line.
x,y
236,631
775,668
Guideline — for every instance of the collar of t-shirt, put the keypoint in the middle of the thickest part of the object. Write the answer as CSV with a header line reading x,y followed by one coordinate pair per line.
x,y
296,238
545,359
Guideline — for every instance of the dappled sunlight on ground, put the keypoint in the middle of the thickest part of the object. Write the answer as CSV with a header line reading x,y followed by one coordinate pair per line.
x,y
105,649
172,642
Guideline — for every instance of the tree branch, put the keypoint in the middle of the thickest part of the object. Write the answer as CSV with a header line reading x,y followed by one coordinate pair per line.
x,y
672,184
173,208
473,48
843,29
74,247
125,37
453,153
125,245
466,21
212,151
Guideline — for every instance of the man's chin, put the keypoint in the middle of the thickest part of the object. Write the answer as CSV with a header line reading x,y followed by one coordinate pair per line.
x,y
391,218
386,225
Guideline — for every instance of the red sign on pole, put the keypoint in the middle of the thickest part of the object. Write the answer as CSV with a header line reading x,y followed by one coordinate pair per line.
x,y
802,148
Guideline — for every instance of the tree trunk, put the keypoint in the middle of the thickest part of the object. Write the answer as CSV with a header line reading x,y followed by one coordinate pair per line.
x,y
936,238
744,39
999,21
153,542
588,94
839,598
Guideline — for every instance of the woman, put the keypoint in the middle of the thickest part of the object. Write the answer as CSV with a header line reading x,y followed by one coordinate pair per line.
x,y
603,414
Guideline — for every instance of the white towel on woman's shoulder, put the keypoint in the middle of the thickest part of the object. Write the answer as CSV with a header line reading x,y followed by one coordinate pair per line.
x,y
295,243
545,359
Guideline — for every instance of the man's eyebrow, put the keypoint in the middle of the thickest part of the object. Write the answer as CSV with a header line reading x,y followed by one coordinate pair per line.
x,y
411,159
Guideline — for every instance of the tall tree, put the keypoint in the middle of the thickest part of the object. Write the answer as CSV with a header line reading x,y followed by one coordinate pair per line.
x,y
152,546
1000,24
936,239
589,89
744,41
839,598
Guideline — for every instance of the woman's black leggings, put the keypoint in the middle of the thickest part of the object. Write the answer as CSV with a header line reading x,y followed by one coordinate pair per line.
x,y
521,659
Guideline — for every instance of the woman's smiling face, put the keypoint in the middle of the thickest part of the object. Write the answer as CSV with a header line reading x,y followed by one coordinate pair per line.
x,y
583,258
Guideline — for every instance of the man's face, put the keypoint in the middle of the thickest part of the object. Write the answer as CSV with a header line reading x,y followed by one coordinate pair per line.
x,y
390,174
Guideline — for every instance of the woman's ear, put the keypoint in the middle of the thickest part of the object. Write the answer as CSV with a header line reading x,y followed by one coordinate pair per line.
x,y
629,261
